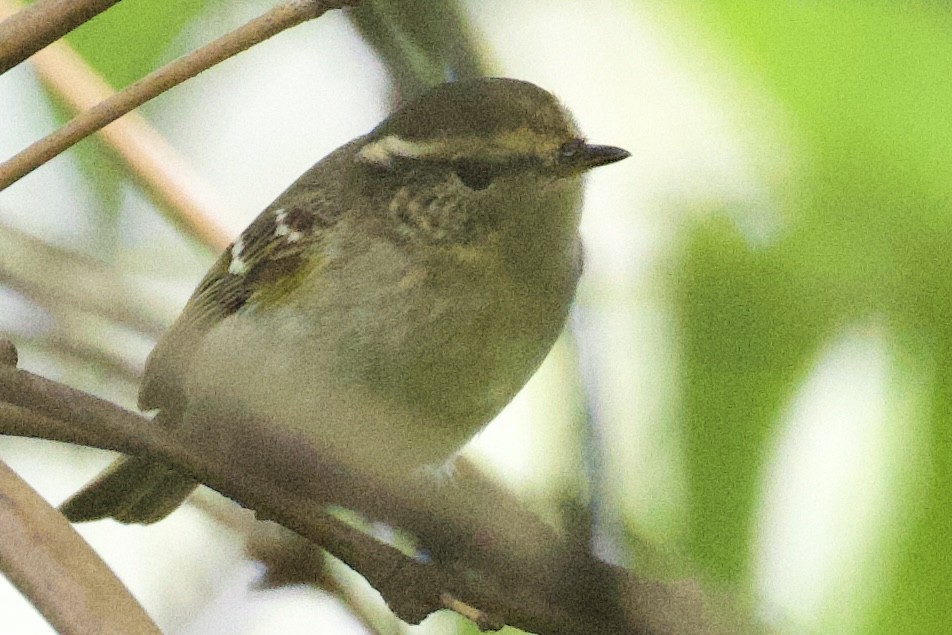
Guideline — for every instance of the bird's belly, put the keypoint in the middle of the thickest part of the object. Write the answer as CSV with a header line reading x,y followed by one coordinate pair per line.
x,y
395,375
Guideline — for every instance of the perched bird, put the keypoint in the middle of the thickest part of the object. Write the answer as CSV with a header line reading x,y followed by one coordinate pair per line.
x,y
389,303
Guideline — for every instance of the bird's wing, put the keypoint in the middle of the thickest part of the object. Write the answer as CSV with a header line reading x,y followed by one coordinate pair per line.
x,y
270,258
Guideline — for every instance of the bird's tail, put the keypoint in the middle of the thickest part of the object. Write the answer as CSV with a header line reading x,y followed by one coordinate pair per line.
x,y
132,490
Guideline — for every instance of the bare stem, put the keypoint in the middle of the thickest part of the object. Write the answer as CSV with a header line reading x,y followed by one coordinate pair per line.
x,y
156,164
32,28
281,17
39,408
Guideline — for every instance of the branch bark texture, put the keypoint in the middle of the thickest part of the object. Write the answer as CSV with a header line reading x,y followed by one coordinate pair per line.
x,y
492,560
31,28
44,557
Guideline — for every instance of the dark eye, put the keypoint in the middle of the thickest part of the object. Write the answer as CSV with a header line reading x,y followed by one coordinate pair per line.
x,y
476,175
570,148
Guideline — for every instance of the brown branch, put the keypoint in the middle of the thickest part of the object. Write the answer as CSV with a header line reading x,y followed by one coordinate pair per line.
x,y
31,28
492,560
44,557
283,16
156,165
44,409
165,174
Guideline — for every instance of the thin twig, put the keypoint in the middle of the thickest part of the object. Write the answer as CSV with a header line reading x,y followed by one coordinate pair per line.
x,y
157,165
44,557
281,17
31,28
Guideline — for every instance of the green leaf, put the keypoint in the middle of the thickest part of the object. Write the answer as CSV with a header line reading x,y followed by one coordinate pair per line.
x,y
130,39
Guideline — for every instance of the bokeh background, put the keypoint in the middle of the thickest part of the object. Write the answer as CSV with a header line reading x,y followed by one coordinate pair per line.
x,y
756,388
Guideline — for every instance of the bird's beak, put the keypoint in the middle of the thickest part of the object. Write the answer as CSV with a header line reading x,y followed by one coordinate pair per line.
x,y
591,156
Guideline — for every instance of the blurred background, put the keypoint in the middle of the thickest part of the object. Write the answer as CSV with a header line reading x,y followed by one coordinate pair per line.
x,y
756,388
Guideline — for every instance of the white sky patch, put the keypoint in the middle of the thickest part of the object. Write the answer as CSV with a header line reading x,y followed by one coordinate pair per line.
x,y
241,608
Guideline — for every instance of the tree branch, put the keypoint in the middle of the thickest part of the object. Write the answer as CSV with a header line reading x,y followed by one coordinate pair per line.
x,y
163,172
44,557
283,16
33,27
39,408
492,560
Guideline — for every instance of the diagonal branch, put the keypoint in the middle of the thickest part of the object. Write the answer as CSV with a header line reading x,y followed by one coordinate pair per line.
x,y
283,16
422,42
492,560
32,28
44,557
35,407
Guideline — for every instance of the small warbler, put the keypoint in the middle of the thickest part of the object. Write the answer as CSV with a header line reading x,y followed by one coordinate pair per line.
x,y
389,303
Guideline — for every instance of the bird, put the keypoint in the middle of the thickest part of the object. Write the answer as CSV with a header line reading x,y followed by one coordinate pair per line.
x,y
388,304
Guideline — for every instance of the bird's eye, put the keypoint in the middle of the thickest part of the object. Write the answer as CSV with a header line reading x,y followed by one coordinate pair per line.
x,y
570,148
475,175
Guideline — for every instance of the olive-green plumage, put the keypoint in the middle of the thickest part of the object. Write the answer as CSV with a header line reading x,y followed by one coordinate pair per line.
x,y
389,303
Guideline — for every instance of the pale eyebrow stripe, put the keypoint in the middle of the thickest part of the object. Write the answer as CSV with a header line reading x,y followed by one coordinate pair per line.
x,y
383,151
523,142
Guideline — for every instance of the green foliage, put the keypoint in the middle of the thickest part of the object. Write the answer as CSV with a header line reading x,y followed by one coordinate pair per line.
x,y
751,323
130,39
869,236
